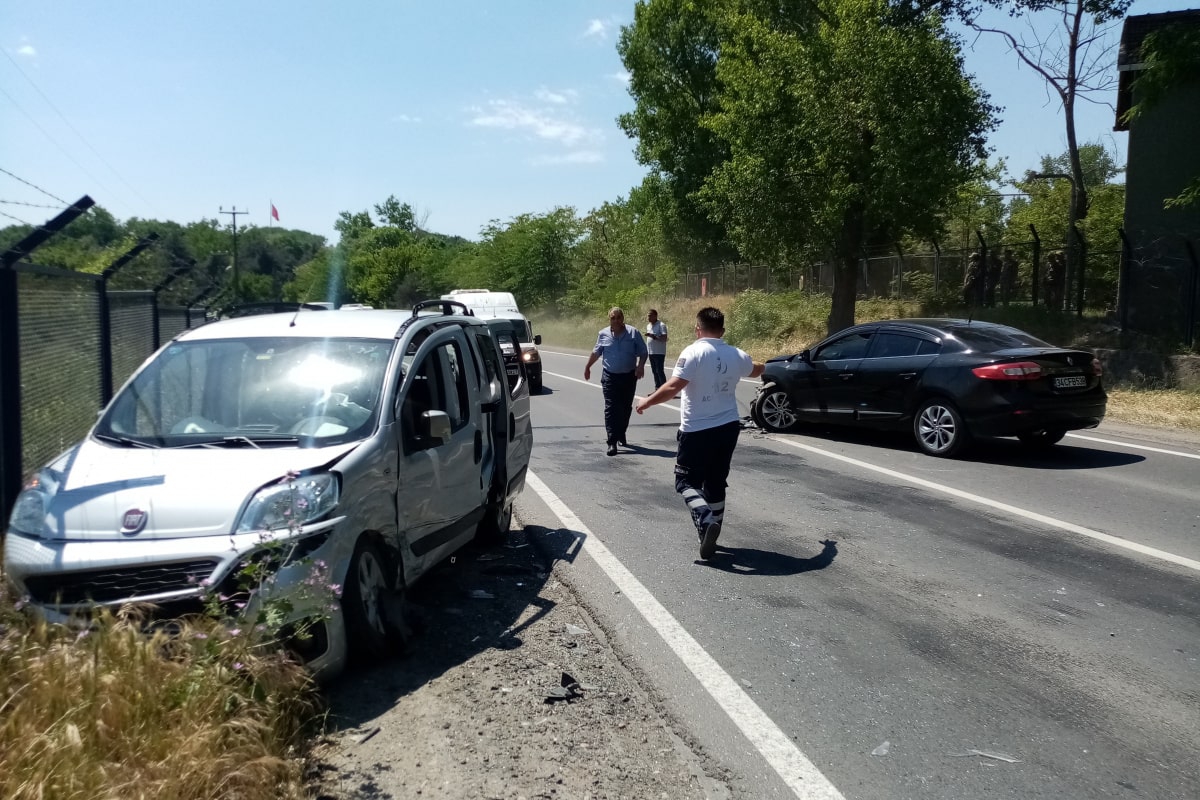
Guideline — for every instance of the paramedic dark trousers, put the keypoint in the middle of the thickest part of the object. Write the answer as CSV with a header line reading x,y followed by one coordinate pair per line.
x,y
619,389
701,467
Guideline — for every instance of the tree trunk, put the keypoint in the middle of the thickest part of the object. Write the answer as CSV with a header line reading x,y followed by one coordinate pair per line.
x,y
845,270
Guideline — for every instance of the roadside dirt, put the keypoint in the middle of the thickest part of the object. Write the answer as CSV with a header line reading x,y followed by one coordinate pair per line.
x,y
509,690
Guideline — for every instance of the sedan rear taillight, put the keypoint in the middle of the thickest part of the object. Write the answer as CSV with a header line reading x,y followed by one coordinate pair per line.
x,y
1015,371
1097,367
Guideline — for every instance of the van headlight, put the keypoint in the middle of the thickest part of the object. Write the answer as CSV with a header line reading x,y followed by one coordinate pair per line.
x,y
291,503
33,503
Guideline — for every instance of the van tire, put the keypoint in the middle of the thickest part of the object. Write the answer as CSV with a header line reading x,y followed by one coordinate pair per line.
x,y
375,610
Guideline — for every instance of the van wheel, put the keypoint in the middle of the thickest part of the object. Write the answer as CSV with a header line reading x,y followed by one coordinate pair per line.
x,y
939,429
497,519
375,611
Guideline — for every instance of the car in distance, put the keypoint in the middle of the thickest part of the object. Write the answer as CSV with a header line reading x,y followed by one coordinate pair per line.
x,y
351,449
947,380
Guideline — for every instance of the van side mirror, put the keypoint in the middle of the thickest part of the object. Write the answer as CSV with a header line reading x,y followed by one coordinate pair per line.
x,y
436,426
491,395
537,338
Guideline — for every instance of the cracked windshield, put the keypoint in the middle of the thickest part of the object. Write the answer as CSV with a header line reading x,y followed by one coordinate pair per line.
x,y
583,399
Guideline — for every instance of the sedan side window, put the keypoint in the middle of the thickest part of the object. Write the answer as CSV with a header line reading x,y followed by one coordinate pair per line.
x,y
852,346
892,345
929,348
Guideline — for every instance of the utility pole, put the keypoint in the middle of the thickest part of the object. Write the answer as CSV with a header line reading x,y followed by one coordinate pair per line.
x,y
234,213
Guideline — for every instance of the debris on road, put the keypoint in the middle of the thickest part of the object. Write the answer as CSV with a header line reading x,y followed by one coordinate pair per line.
x,y
882,750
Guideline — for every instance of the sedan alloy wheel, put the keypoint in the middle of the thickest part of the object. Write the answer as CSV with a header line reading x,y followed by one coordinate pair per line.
x,y
939,429
772,409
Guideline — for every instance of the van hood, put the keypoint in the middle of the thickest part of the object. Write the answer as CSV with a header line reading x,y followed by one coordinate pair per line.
x,y
183,492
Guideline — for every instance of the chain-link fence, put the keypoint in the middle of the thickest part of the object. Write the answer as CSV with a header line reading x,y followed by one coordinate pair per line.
x,y
65,343
1162,279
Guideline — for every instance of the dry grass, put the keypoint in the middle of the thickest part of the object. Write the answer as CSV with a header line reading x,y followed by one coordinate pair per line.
x,y
1172,408
110,712
766,325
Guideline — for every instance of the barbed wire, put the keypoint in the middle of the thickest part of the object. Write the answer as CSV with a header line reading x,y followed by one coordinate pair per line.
x,y
18,219
34,186
29,205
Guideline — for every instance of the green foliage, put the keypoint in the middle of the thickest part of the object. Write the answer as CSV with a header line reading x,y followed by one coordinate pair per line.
x,y
851,130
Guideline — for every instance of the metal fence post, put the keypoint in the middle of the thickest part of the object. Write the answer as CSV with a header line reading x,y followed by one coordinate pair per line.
x,y
1081,271
1036,265
1193,286
1123,281
937,267
11,449
983,267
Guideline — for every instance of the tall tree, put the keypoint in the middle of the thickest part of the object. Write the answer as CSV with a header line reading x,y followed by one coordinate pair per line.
x,y
670,52
858,129
1074,57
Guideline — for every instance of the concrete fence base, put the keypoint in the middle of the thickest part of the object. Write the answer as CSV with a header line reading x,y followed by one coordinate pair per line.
x,y
1153,370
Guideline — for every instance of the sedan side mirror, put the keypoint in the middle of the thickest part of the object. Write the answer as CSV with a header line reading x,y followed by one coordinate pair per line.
x,y
805,356
537,338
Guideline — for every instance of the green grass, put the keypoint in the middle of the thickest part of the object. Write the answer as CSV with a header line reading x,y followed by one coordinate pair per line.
x,y
107,711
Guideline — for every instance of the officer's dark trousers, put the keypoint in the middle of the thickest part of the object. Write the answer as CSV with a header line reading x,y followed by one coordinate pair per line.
x,y
701,467
619,389
657,363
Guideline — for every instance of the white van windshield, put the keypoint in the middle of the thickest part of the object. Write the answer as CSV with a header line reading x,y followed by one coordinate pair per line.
x,y
263,389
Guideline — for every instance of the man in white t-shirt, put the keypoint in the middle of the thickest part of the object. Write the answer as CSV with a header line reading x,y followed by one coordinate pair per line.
x,y
707,373
656,345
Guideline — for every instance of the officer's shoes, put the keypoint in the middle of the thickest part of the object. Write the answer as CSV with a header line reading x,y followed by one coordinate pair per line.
x,y
612,449
708,540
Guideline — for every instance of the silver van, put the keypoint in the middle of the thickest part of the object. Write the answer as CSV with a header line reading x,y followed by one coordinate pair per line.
x,y
349,451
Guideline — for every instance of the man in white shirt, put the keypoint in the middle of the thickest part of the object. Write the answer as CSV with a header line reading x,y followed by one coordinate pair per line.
x,y
656,345
707,373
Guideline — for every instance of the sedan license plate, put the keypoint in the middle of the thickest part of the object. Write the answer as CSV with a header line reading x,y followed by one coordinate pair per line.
x,y
1070,382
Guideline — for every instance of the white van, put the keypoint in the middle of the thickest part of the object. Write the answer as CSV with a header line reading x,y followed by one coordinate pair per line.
x,y
487,304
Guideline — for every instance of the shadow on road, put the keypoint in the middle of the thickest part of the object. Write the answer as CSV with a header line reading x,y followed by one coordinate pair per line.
x,y
749,561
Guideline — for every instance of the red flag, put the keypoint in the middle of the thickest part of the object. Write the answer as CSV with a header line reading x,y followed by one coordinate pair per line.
x,y
274,212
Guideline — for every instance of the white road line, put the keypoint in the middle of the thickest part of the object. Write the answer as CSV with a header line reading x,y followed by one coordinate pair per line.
x,y
1134,446
1116,541
1107,538
796,770
557,353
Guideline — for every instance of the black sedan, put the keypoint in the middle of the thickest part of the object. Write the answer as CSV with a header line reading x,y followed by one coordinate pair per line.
x,y
947,380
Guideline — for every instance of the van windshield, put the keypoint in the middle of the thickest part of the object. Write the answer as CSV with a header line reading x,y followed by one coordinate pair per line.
x,y
312,392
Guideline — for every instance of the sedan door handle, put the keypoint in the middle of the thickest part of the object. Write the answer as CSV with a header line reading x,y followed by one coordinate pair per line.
x,y
846,375
907,375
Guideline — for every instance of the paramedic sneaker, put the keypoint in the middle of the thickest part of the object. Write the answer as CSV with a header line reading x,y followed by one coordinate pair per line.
x,y
708,540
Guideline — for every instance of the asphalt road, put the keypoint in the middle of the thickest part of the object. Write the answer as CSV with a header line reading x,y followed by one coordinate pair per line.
x,y
1006,625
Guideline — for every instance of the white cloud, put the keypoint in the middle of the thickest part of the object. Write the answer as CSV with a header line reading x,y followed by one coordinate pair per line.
x,y
27,50
620,77
597,29
406,118
557,98
575,157
513,116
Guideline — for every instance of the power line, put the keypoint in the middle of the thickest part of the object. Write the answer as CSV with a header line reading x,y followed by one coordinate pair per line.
x,y
54,141
75,130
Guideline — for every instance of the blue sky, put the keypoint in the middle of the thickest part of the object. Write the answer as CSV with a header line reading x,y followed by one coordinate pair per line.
x,y
470,110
